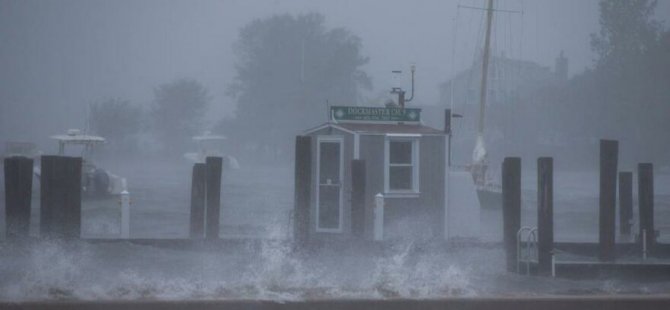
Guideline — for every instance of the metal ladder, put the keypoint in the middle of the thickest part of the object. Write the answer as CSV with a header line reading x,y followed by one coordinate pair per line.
x,y
526,237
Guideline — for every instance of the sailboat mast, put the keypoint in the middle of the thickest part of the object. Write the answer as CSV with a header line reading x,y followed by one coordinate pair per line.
x,y
485,67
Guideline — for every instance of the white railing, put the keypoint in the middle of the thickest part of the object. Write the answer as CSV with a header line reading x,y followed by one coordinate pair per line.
x,y
378,218
124,201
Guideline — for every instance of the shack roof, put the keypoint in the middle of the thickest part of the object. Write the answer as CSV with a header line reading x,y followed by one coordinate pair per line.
x,y
379,128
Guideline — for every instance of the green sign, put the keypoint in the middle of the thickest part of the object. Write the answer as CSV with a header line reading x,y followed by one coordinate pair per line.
x,y
374,114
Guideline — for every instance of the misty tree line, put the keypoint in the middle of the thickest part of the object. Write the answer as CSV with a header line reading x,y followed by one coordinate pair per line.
x,y
626,94
175,115
633,75
290,68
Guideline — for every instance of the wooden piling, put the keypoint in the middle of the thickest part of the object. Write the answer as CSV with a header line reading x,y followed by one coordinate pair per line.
x,y
60,197
545,214
511,208
645,183
358,198
302,189
18,194
625,202
198,192
72,206
51,198
213,166
609,150
45,193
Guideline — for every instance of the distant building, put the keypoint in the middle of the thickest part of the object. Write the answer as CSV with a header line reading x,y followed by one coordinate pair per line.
x,y
512,85
508,81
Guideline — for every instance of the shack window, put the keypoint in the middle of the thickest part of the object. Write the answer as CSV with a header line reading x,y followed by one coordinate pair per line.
x,y
402,173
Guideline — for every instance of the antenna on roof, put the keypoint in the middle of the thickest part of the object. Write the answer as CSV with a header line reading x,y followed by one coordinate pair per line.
x,y
400,91
329,117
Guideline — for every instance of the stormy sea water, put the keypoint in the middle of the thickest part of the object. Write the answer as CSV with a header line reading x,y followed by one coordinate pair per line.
x,y
256,203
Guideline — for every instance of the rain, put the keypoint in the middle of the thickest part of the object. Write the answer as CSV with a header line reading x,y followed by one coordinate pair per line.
x,y
298,151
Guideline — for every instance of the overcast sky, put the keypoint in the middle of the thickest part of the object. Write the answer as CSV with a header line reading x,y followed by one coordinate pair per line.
x,y
69,53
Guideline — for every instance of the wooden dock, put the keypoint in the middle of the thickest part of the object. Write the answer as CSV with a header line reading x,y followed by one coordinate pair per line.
x,y
468,303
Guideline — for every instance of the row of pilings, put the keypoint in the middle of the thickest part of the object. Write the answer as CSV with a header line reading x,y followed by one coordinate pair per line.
x,y
511,192
60,180
60,199
60,196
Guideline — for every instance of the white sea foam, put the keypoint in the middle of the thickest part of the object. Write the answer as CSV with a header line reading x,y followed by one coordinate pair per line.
x,y
51,271
425,276
271,271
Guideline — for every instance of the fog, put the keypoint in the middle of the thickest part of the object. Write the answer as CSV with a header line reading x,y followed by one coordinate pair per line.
x,y
59,56
156,77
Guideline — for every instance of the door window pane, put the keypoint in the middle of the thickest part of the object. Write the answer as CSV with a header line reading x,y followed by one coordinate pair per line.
x,y
329,207
329,163
329,185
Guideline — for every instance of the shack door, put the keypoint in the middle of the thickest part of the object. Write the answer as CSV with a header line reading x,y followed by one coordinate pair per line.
x,y
329,187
